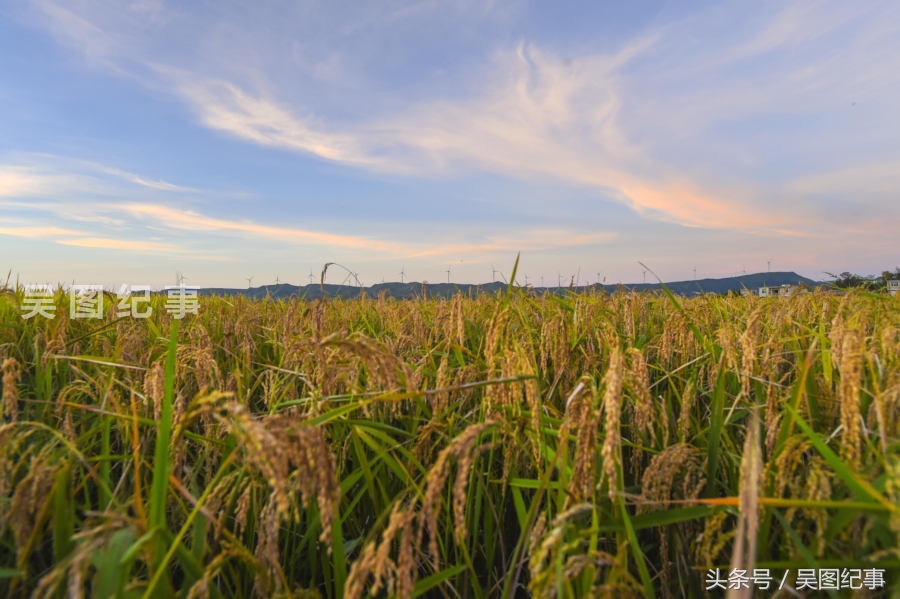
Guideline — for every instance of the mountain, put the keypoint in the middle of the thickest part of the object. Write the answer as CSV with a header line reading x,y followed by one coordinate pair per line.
x,y
414,290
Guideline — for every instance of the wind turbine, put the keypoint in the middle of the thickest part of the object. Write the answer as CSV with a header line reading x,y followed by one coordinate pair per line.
x,y
402,273
526,279
645,277
558,279
493,274
310,276
249,281
695,273
769,262
598,276
542,280
448,274
181,279
277,281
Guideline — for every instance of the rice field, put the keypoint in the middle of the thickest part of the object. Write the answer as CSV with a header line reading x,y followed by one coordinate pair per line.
x,y
507,445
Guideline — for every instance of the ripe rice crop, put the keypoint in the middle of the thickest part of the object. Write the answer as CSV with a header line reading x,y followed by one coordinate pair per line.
x,y
591,445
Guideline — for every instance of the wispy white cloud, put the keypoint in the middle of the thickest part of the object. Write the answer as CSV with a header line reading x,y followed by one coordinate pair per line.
x,y
160,185
226,107
37,232
122,244
532,239
18,181
193,221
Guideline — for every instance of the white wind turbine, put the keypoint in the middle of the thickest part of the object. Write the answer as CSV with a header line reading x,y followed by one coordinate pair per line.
x,y
402,273
310,276
277,280
493,274
249,281
448,274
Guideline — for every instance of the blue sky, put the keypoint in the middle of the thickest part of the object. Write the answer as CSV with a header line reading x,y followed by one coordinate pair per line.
x,y
227,140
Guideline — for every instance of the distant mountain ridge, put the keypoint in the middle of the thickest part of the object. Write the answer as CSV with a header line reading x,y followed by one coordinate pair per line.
x,y
415,289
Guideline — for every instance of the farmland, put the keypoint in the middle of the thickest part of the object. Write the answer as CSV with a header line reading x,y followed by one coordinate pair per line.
x,y
506,445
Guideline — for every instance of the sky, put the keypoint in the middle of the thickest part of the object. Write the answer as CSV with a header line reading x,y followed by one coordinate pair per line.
x,y
228,140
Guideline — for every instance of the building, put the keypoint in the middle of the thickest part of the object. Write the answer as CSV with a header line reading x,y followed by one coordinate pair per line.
x,y
894,287
778,291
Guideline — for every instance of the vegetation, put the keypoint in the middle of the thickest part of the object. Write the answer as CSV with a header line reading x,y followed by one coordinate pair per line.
x,y
848,280
506,445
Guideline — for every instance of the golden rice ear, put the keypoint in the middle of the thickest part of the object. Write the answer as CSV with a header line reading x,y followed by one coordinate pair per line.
x,y
748,342
743,555
612,403
853,346
461,448
396,577
12,372
583,417
267,552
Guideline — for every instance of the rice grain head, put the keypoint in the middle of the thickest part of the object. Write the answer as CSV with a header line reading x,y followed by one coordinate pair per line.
x,y
612,403
12,372
748,350
852,349
743,555
462,445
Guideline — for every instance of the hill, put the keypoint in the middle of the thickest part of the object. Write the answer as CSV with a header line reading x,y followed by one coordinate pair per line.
x,y
415,289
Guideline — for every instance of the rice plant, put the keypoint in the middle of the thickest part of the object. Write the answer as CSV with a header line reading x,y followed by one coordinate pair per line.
x,y
510,445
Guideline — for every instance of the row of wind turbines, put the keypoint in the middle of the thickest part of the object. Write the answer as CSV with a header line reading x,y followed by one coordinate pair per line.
x,y
494,272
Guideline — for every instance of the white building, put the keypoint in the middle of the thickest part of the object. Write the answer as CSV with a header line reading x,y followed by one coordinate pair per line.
x,y
779,291
893,287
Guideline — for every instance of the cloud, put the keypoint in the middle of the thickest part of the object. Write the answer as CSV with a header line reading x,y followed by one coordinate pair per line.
x,y
193,221
37,232
17,181
122,244
882,178
225,107
160,185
